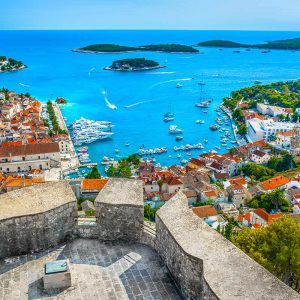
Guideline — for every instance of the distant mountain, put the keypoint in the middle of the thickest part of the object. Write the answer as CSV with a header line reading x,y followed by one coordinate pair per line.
x,y
112,48
288,44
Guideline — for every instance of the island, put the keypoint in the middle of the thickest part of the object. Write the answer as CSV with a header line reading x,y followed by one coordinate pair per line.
x,y
288,44
10,64
134,64
61,100
112,48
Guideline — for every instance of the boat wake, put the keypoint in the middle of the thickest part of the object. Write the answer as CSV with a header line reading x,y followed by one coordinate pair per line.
x,y
22,84
172,80
92,69
135,104
108,104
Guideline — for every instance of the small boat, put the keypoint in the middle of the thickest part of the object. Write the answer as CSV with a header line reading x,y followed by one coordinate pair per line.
x,y
178,155
117,150
168,119
127,145
236,51
179,138
173,129
200,122
233,142
184,161
189,153
178,85
218,147
201,83
202,104
205,111
214,127
205,141
257,82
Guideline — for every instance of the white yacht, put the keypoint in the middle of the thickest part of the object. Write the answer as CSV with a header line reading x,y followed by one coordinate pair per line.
x,y
173,129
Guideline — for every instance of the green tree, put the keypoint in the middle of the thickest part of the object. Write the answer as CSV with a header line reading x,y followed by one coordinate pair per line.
x,y
94,174
276,247
242,129
160,183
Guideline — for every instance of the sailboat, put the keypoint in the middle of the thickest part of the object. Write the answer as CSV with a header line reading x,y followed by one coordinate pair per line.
x,y
204,101
169,116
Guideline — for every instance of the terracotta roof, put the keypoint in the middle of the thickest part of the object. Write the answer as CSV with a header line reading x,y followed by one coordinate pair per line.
x,y
164,173
274,182
255,226
267,217
211,193
172,181
219,176
205,211
216,166
93,184
28,149
259,153
238,180
189,193
197,162
287,133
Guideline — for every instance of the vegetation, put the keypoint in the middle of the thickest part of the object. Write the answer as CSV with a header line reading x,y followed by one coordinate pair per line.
x,y
94,174
54,123
60,100
133,64
283,94
118,48
11,65
258,172
276,247
288,44
208,202
124,167
149,212
281,163
272,200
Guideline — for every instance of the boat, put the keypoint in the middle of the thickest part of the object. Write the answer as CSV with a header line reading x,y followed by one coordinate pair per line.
x,y
178,85
205,140
257,82
184,161
236,51
117,150
179,138
202,104
173,129
127,144
178,155
214,127
200,122
189,153
233,142
205,111
168,119
218,147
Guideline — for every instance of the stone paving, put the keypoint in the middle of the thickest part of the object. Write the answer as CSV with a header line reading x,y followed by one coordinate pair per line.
x,y
100,270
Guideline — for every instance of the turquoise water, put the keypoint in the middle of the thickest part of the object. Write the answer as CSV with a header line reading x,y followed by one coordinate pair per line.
x,y
53,70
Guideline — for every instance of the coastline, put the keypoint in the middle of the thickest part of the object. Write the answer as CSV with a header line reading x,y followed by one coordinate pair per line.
x,y
134,70
14,70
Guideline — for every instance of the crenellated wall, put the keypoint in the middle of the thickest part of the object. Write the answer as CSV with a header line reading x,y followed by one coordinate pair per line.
x,y
120,210
207,266
35,218
203,264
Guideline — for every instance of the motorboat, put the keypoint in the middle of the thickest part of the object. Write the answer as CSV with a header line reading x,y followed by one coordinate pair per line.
x,y
202,104
257,82
200,122
178,85
214,127
205,140
168,119
179,138
173,129
127,144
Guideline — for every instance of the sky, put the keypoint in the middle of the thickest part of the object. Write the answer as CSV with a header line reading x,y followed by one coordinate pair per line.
x,y
151,14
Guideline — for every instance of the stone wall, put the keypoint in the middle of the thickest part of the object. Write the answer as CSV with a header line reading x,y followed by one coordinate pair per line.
x,y
207,266
36,218
120,210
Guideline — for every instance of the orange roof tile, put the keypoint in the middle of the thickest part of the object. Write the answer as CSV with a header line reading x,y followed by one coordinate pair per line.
x,y
238,180
211,193
93,184
274,182
267,217
205,211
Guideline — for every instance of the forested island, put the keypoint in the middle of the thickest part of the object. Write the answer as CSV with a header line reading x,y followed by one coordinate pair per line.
x,y
133,64
288,44
10,64
283,94
112,48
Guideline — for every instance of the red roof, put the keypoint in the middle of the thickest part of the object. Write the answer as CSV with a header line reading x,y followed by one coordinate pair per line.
x,y
205,211
274,183
267,217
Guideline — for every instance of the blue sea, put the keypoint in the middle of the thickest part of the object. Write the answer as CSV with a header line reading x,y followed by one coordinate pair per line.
x,y
53,70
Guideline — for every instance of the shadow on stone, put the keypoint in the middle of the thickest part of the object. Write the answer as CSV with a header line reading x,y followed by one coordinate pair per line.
x,y
36,291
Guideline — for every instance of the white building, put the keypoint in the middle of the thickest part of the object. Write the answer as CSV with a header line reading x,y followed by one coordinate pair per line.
x,y
266,129
260,157
24,158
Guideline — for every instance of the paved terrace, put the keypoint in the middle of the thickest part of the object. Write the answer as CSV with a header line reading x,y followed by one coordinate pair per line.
x,y
100,270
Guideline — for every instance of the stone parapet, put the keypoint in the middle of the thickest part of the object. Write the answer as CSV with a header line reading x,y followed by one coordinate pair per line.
x,y
207,266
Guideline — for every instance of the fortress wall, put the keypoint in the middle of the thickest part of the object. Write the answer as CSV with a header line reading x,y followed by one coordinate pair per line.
x,y
120,210
207,266
40,217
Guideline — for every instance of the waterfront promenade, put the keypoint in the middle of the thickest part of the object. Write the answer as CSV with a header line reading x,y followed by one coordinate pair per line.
x,y
71,161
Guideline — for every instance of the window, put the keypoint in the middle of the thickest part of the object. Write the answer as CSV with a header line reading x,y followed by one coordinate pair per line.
x,y
19,169
41,167
39,157
23,158
7,169
29,168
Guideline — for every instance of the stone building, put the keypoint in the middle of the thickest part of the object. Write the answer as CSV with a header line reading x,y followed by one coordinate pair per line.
x,y
295,140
